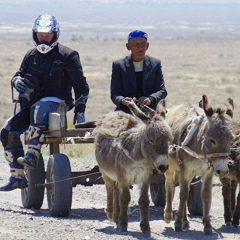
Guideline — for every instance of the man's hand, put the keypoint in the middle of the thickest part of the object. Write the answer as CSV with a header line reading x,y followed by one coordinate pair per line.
x,y
19,84
143,101
78,118
125,101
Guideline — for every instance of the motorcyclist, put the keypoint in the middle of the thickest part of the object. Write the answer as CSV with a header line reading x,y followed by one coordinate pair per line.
x,y
47,75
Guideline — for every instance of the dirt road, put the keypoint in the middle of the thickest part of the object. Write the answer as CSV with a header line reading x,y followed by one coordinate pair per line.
x,y
88,220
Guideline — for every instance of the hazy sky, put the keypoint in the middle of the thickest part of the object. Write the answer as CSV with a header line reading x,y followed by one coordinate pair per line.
x,y
171,1
135,1
117,17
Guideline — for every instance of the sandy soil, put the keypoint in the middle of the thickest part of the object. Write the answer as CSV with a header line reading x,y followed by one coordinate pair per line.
x,y
88,220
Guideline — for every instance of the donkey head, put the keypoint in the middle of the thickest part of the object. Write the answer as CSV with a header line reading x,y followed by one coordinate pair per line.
x,y
156,137
218,135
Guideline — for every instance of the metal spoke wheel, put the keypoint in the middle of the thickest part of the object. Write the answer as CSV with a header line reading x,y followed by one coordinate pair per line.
x,y
32,196
59,185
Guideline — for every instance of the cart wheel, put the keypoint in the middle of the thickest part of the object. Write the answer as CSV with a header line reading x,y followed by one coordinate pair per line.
x,y
59,192
158,194
195,200
32,196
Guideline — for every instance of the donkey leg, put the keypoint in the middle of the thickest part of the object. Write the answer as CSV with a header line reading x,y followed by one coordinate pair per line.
x,y
233,195
124,199
207,200
226,189
116,207
143,203
186,224
109,184
236,214
233,202
169,185
184,185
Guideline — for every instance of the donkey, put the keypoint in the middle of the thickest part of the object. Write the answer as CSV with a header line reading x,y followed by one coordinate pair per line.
x,y
230,183
128,149
202,138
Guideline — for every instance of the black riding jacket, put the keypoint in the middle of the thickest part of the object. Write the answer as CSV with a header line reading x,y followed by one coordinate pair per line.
x,y
58,72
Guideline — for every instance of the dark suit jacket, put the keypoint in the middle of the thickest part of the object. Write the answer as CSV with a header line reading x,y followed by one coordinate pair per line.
x,y
124,83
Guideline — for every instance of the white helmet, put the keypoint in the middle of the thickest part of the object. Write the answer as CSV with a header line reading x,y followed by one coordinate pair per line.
x,y
45,24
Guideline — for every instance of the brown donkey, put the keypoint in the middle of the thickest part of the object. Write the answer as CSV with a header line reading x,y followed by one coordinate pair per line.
x,y
128,148
230,184
202,138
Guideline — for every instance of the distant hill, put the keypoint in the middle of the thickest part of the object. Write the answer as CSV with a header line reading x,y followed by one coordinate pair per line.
x,y
115,19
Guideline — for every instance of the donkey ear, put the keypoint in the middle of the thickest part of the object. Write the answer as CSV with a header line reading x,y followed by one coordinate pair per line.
x,y
206,106
161,108
230,106
163,103
230,102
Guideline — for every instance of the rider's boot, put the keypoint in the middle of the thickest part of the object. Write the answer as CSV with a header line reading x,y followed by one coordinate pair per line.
x,y
35,142
17,178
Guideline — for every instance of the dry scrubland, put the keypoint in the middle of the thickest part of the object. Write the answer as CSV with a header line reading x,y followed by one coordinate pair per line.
x,y
191,68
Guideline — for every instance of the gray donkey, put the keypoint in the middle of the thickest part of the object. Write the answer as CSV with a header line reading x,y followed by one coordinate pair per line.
x,y
203,138
231,198
128,149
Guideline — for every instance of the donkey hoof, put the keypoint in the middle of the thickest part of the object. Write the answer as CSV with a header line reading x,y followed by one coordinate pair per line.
x,y
109,214
168,217
178,228
236,227
122,228
186,225
229,225
110,218
146,234
208,231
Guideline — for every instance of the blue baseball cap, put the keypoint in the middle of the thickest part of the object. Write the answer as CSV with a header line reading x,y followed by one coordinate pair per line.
x,y
137,33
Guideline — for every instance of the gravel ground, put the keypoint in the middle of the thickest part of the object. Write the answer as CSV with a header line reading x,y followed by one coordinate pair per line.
x,y
88,220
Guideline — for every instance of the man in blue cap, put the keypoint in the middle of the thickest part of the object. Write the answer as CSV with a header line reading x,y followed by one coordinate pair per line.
x,y
137,77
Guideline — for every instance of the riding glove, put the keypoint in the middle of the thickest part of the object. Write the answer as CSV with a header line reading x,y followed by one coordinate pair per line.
x,y
19,84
